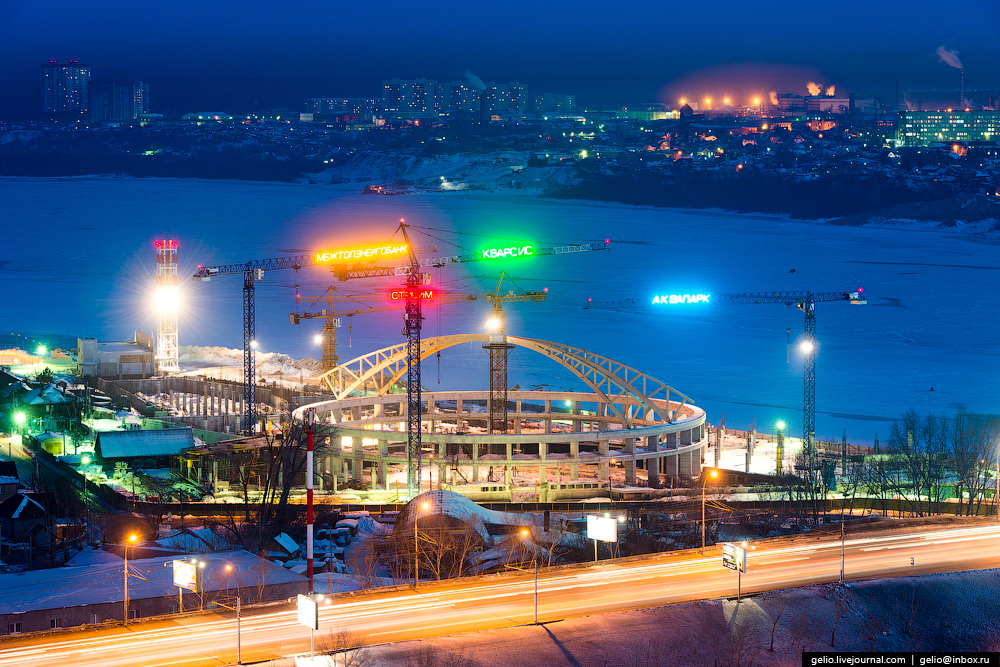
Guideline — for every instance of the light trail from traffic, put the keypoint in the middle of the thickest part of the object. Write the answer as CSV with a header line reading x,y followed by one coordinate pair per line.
x,y
458,606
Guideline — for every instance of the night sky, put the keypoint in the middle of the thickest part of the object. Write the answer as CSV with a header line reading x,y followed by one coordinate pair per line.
x,y
598,50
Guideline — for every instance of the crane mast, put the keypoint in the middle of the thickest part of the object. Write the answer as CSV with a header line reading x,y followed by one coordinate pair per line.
x,y
804,301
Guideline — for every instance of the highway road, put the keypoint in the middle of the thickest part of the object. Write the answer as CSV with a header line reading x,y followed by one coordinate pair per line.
x,y
507,600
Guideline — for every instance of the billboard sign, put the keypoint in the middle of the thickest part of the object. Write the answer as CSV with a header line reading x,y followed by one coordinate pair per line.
x,y
602,528
186,575
673,299
511,251
308,612
734,557
369,253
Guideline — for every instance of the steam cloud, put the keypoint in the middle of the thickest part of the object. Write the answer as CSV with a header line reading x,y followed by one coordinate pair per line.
x,y
814,89
949,56
475,80
774,97
831,91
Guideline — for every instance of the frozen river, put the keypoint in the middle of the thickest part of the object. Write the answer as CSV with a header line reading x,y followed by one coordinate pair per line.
x,y
79,261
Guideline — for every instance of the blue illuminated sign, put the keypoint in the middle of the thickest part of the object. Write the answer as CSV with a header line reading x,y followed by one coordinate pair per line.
x,y
681,298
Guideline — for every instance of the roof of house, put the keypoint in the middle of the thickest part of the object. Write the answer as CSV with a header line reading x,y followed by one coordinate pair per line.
x,y
135,444
21,507
47,395
104,582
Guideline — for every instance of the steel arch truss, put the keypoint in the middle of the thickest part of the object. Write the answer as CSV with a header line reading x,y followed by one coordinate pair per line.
x,y
629,392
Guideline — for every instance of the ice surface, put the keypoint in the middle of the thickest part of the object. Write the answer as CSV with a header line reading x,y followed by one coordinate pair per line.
x,y
931,319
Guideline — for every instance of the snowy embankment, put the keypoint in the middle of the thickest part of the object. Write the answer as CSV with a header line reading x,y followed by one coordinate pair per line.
x,y
194,358
942,612
461,171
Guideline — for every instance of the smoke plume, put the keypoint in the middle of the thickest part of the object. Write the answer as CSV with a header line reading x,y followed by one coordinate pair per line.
x,y
774,97
949,56
475,80
831,91
814,89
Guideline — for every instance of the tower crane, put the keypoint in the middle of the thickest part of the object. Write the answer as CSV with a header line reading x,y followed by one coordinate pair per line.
x,y
497,346
499,350
804,301
363,262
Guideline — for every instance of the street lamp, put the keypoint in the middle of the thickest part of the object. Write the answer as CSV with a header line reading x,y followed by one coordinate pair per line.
x,y
416,547
131,540
534,559
713,474
239,596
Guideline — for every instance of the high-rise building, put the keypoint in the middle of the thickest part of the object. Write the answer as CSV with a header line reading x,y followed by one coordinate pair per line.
x,y
457,96
64,86
504,97
120,99
413,95
922,128
554,103
325,106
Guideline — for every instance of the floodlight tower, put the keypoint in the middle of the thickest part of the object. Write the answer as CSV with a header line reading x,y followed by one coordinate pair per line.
x,y
166,305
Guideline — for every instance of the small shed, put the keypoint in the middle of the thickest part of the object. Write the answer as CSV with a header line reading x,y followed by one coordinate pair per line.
x,y
147,450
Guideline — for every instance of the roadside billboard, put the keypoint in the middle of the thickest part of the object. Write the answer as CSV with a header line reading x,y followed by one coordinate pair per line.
x,y
308,612
734,557
602,528
186,575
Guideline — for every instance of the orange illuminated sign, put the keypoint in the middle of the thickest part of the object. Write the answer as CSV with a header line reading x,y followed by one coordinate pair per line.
x,y
373,252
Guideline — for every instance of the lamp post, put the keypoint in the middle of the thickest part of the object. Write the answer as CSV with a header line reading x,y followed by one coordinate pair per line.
x,y
416,547
239,599
131,540
534,559
779,453
704,483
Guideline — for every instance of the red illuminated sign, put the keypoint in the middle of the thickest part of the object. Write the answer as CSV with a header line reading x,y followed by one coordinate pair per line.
x,y
400,294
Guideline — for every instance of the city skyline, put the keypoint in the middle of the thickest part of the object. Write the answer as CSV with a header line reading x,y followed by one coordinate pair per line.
x,y
638,53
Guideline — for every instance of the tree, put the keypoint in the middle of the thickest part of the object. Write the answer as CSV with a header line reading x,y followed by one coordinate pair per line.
x,y
45,376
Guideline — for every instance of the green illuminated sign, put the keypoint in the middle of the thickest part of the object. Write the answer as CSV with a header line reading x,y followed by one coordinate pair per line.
x,y
511,251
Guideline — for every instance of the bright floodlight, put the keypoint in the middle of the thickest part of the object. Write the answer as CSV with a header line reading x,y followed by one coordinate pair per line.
x,y
41,349
493,323
253,344
781,425
132,537
166,298
85,460
714,473
807,346
524,532
19,418
318,338
424,505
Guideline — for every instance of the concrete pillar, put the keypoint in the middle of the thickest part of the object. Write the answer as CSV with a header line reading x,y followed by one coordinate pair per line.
x,y
517,419
508,477
357,464
574,453
475,464
720,440
548,420
603,449
630,464
383,464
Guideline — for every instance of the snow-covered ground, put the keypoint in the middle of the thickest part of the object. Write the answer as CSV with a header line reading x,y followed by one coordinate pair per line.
x,y
87,244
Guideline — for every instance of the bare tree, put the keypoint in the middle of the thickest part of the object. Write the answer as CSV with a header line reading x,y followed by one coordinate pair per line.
x,y
774,605
346,649
839,611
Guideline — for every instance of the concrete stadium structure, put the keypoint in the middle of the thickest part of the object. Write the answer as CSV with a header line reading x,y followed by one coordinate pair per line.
x,y
627,418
